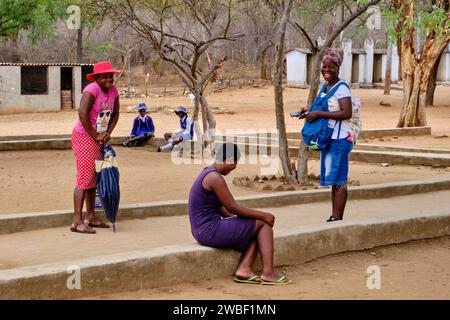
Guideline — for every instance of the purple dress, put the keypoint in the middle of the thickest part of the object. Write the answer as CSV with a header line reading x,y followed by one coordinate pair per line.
x,y
207,225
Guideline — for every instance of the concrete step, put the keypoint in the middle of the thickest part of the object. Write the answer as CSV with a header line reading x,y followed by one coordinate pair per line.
x,y
60,143
379,133
19,222
373,147
391,157
161,251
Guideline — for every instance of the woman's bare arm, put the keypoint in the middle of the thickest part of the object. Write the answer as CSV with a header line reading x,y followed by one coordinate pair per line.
x,y
216,183
87,101
225,213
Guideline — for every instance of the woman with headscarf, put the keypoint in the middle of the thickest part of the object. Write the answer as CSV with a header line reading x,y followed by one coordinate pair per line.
x,y
334,160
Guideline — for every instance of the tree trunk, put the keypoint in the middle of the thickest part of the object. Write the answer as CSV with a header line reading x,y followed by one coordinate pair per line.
x,y
302,163
414,94
264,63
279,108
210,132
80,44
432,84
315,77
416,75
387,76
213,77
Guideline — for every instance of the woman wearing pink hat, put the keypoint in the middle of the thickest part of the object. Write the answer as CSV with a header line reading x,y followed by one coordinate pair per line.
x,y
98,116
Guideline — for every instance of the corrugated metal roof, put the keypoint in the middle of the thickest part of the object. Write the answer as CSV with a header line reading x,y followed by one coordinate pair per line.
x,y
47,64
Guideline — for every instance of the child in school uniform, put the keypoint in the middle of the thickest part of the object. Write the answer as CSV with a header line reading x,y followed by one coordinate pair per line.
x,y
185,133
143,128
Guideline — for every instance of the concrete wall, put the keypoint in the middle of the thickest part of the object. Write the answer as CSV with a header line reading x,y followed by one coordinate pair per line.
x,y
394,66
443,74
11,101
296,65
345,72
76,86
369,47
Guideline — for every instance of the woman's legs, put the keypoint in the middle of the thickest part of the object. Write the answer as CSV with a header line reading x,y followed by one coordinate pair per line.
x,y
90,203
339,200
264,244
78,200
244,269
79,196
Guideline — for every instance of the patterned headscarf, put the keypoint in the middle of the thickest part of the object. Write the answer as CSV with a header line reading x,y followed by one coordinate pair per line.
x,y
335,55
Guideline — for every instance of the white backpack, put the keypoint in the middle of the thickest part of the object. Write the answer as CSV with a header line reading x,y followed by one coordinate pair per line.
x,y
354,123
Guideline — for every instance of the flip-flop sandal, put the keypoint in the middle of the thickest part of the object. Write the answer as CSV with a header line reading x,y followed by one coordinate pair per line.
x,y
86,229
281,281
253,280
102,224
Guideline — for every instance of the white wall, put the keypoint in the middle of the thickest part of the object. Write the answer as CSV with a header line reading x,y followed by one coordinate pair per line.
x,y
296,65
345,71
77,86
362,68
11,101
369,47
444,67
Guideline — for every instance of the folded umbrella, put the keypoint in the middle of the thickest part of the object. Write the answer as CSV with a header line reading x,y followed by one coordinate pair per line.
x,y
108,183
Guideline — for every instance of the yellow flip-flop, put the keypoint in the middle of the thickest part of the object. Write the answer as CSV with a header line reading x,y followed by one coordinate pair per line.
x,y
253,280
280,281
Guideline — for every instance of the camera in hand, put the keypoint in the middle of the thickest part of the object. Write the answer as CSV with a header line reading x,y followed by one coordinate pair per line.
x,y
297,114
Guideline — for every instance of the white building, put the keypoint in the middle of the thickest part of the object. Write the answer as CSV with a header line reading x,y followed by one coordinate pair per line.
x,y
364,66
298,67
41,87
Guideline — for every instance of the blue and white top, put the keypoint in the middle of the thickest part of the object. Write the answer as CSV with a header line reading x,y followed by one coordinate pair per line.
x,y
333,106
187,128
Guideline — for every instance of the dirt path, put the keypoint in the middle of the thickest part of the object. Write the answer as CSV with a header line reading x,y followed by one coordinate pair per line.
x,y
415,270
254,109
44,180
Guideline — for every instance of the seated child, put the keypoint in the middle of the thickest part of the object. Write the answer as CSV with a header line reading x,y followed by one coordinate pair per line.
x,y
143,128
185,133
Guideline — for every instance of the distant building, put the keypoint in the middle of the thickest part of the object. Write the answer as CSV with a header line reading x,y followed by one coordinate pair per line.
x,y
364,66
41,87
298,67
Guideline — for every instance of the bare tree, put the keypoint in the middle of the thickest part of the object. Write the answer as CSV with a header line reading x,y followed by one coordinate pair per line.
x,y
334,30
387,77
181,32
279,108
263,26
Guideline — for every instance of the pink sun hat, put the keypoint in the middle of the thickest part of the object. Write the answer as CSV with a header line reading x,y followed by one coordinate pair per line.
x,y
101,67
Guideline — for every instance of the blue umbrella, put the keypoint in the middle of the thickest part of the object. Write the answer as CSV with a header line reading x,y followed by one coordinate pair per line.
x,y
108,183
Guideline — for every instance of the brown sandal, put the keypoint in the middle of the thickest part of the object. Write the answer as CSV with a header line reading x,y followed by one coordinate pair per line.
x,y
101,224
86,229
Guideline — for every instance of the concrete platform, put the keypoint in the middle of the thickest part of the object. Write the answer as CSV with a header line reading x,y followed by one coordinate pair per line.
x,y
42,142
392,157
55,142
379,133
374,147
172,264
19,222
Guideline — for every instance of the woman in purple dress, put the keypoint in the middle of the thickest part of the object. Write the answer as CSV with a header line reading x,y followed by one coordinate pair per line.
x,y
218,221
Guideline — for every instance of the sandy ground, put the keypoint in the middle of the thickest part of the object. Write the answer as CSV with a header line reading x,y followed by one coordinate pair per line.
x,y
150,177
414,270
60,245
254,109
44,180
